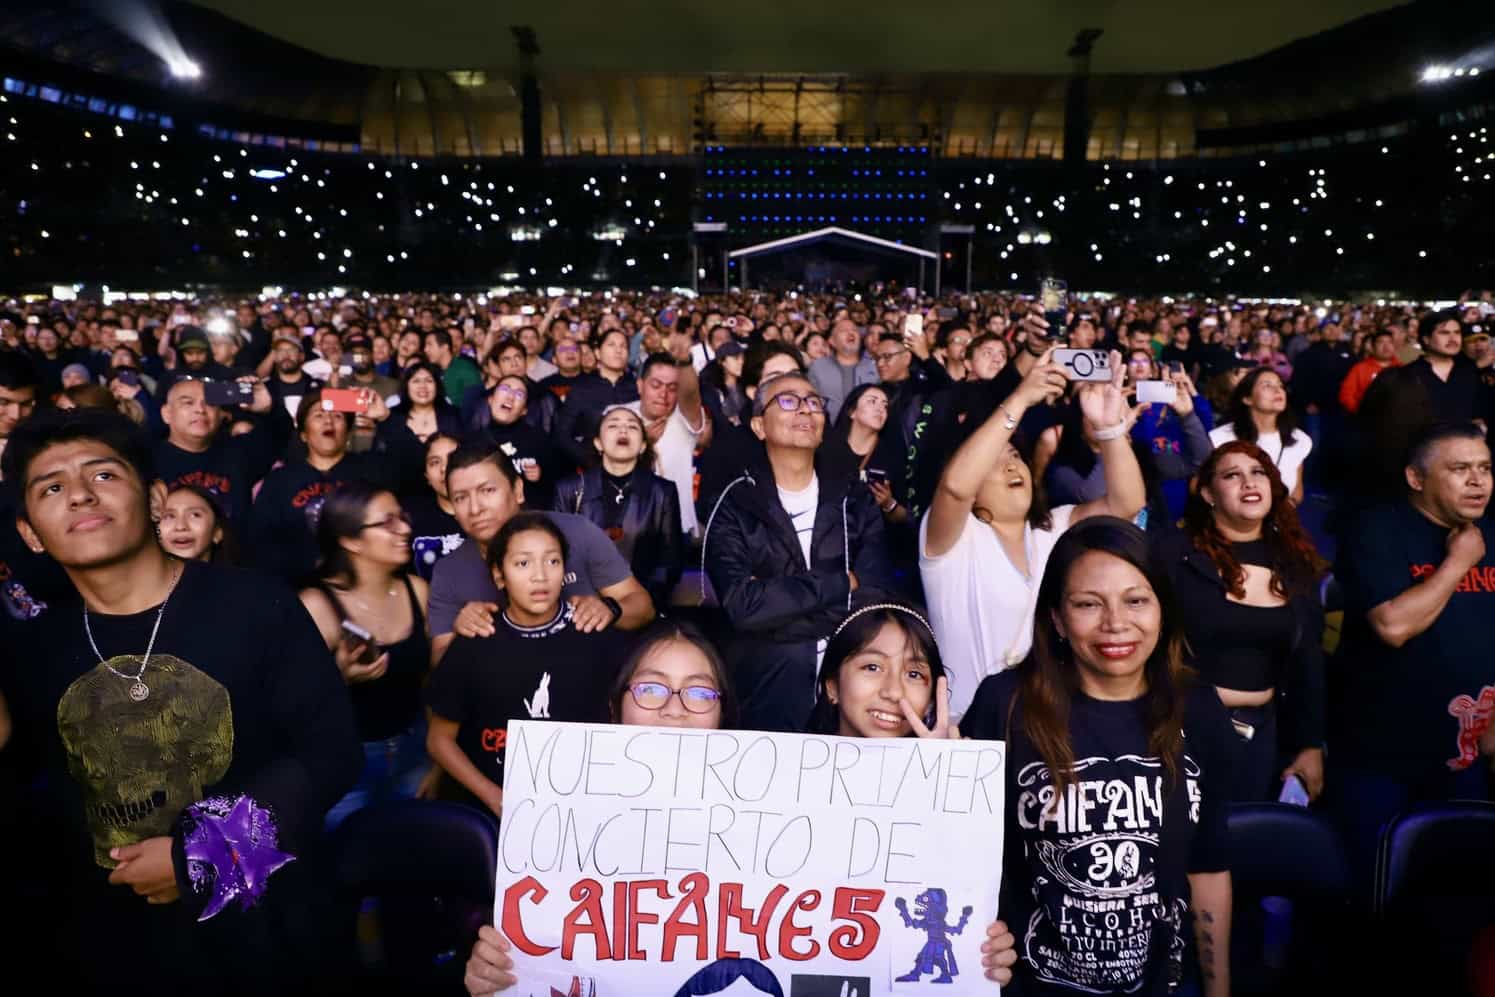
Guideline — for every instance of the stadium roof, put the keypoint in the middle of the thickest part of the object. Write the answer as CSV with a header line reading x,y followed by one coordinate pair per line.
x,y
791,36
973,78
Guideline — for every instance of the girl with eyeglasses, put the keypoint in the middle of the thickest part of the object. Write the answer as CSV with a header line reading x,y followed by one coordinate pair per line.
x,y
535,665
675,678
371,613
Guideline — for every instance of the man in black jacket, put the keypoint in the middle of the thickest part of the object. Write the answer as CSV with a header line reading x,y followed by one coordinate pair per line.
x,y
784,552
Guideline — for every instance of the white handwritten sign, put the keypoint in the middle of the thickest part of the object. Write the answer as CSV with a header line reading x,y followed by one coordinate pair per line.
x,y
660,861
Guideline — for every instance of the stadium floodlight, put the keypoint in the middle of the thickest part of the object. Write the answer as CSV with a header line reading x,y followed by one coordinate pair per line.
x,y
184,69
1437,74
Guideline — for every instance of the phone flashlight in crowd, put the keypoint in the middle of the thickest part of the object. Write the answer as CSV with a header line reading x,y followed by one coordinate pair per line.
x,y
1085,365
219,325
913,325
1053,298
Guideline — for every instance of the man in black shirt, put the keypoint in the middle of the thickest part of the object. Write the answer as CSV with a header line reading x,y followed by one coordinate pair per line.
x,y
192,766
288,383
1413,692
1452,383
196,453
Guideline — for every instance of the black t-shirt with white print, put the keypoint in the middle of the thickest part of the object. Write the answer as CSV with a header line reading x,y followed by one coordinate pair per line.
x,y
1095,885
549,672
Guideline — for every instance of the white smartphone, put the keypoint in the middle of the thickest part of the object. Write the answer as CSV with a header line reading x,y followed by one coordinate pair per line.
x,y
913,325
1084,365
1156,392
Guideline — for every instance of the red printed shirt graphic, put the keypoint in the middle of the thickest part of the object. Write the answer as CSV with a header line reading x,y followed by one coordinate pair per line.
x,y
1474,715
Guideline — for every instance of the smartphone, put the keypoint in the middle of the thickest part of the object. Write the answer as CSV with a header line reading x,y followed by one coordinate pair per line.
x,y
1053,298
526,309
1084,365
345,400
125,375
356,636
1175,366
33,320
875,474
913,325
227,392
510,321
126,336
1294,792
1156,392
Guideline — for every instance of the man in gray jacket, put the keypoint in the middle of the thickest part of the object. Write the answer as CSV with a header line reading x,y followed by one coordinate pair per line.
x,y
836,375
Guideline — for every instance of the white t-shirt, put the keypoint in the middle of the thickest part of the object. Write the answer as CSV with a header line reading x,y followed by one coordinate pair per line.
x,y
674,460
980,605
1289,460
801,508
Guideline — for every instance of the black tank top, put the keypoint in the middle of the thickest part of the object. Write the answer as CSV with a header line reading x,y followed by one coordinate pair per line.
x,y
390,704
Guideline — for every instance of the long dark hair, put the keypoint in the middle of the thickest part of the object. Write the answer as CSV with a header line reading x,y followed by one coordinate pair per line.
x,y
842,427
440,403
663,632
225,551
343,516
1240,412
859,630
1296,565
1049,677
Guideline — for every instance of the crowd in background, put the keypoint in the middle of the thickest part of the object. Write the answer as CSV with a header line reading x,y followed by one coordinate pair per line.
x,y
487,502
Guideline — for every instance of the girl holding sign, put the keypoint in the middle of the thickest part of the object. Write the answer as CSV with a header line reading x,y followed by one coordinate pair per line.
x,y
669,681
1118,769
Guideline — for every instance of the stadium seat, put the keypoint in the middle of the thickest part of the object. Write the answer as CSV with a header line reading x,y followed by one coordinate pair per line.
x,y
425,870
1435,888
1291,854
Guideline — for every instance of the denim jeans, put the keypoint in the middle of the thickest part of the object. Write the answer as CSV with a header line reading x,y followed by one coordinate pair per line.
x,y
392,770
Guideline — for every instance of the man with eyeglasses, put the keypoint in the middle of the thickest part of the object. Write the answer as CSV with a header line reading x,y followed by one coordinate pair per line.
x,y
784,551
847,367
675,421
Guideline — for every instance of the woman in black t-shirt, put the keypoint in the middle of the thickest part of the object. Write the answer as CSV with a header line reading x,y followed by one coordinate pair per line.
x,y
1117,788
372,615
637,509
422,415
535,666
1247,579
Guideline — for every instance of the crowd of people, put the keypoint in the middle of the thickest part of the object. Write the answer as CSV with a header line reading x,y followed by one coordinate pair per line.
x,y
267,562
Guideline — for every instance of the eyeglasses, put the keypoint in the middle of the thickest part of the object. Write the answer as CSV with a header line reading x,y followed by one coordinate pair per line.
x,y
960,340
889,356
695,698
788,401
390,522
513,392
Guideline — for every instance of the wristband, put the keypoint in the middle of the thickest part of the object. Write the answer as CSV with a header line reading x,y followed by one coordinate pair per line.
x,y
892,504
1116,432
1009,422
612,604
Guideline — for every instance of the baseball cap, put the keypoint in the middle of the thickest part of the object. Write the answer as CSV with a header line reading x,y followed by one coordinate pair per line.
x,y
292,338
358,342
1473,332
190,337
731,348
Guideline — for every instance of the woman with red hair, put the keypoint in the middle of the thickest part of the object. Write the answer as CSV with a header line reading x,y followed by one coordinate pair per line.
x,y
1247,578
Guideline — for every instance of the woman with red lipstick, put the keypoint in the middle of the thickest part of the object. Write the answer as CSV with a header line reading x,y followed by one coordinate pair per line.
x,y
1247,577
1117,768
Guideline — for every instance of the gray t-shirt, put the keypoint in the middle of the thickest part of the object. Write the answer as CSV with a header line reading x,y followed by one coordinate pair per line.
x,y
592,564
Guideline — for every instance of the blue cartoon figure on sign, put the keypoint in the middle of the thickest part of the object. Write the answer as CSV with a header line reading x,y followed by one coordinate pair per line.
x,y
930,909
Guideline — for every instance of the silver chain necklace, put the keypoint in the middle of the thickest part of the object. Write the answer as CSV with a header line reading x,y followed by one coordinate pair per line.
x,y
139,691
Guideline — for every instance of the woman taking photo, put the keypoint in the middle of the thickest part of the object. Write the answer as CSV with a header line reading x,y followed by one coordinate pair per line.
x,y
372,615
192,526
850,443
987,535
423,413
1118,764
1247,578
1259,413
636,508
535,665
721,385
